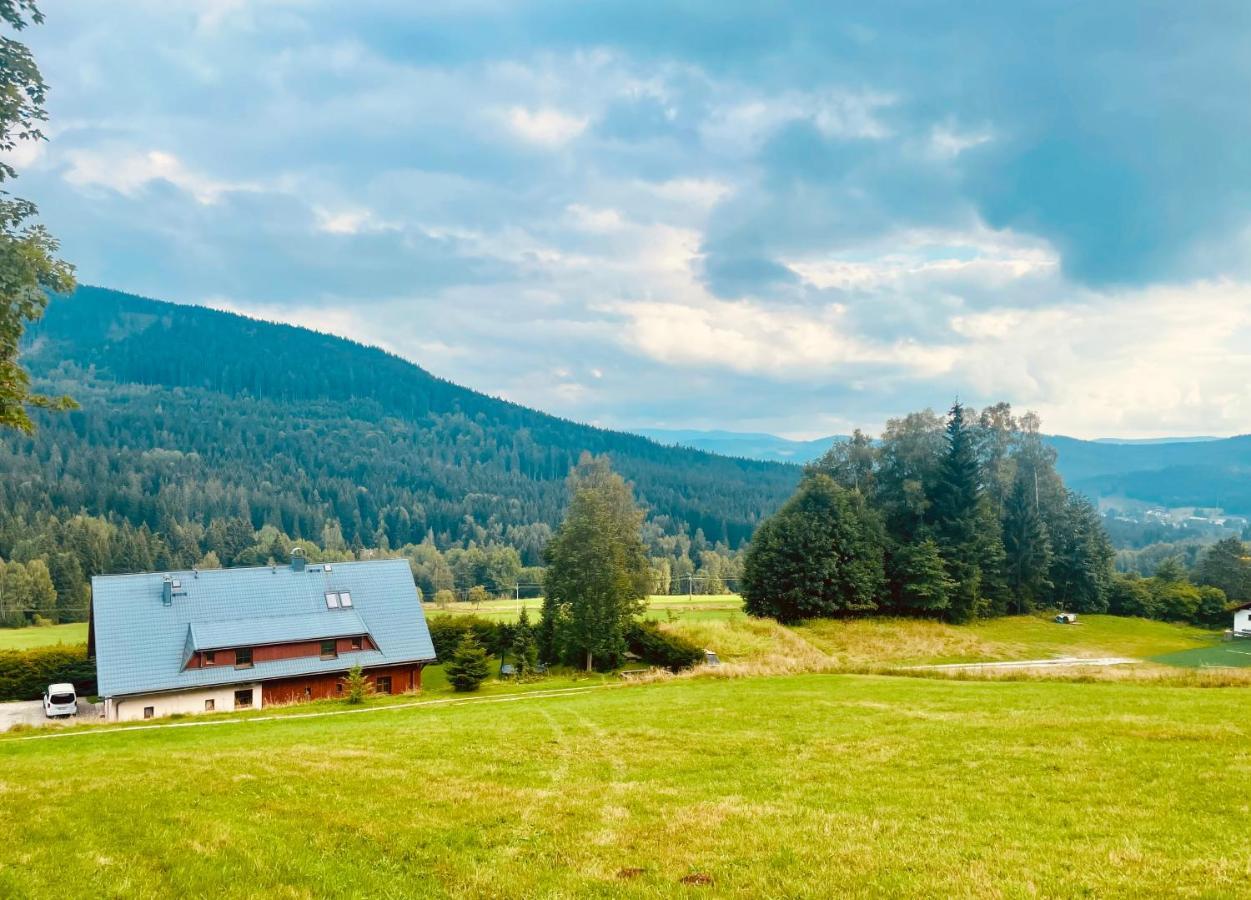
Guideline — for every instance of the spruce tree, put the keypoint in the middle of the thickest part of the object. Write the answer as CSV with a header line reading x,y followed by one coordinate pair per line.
x,y
919,580
469,666
955,516
524,647
1026,546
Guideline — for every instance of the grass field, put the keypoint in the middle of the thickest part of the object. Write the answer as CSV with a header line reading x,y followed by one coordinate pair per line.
x,y
47,636
799,786
1233,654
699,607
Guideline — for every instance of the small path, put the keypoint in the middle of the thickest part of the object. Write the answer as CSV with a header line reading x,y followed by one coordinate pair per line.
x,y
1036,663
556,692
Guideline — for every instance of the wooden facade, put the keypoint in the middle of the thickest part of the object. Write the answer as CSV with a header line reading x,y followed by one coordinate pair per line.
x,y
344,648
385,679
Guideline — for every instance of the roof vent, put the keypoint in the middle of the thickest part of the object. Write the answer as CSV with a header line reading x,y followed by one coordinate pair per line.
x,y
167,591
297,559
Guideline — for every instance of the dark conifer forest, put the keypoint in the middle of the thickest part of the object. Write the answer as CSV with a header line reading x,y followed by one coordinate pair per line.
x,y
193,420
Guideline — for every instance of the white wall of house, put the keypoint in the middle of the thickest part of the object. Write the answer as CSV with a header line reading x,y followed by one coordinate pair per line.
x,y
134,708
1242,620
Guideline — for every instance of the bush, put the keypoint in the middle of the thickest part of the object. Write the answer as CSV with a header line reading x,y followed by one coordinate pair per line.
x,y
447,632
469,667
358,686
658,648
26,674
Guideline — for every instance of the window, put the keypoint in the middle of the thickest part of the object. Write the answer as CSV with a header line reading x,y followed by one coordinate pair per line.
x,y
345,598
210,657
243,699
243,658
210,705
332,600
356,643
338,687
328,650
149,712
383,684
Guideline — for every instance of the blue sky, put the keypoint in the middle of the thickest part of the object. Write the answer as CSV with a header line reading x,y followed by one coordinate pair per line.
x,y
797,218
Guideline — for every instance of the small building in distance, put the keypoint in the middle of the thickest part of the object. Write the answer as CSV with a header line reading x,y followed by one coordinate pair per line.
x,y
1242,621
222,639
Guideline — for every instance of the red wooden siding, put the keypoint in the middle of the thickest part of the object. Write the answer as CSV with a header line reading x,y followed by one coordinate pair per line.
x,y
226,658
319,687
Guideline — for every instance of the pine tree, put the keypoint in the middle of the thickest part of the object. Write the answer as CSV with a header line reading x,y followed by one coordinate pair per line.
x,y
919,580
524,647
955,516
469,666
1027,547
598,573
358,686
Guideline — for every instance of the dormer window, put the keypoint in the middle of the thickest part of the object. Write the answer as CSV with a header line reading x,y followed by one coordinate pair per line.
x,y
332,600
210,657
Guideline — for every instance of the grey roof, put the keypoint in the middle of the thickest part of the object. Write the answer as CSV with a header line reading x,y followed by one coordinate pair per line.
x,y
141,644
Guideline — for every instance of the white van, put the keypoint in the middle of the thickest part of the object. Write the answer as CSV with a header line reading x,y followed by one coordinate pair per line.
x,y
60,700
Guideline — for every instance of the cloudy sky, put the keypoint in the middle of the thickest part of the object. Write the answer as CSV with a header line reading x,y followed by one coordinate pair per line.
x,y
792,218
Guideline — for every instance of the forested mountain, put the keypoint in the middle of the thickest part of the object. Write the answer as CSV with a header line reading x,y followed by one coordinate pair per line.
x,y
190,414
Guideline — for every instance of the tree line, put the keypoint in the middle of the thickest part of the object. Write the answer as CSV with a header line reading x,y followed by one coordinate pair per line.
x,y
957,517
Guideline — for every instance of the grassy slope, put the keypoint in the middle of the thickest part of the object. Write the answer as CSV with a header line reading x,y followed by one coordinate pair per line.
x,y
50,635
810,785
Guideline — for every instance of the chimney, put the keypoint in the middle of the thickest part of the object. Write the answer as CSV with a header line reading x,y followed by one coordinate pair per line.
x,y
167,591
297,559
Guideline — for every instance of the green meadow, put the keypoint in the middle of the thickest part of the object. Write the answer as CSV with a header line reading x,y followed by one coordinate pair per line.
x,y
811,785
45,636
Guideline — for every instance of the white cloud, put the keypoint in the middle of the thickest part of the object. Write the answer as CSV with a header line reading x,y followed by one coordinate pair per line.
x,y
546,126
127,171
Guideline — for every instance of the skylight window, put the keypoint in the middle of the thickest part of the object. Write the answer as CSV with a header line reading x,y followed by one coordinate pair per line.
x,y
332,600
345,598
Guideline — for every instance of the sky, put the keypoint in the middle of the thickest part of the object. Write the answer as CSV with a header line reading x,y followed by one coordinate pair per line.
x,y
796,218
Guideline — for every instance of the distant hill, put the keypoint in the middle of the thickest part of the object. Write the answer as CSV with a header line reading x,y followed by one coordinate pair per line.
x,y
747,445
196,414
1200,471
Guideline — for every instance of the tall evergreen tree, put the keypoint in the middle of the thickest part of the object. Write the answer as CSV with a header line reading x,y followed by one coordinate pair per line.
x,y
1225,565
1026,546
954,515
598,573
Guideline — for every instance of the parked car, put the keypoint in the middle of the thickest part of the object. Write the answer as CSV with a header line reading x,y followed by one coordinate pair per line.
x,y
60,700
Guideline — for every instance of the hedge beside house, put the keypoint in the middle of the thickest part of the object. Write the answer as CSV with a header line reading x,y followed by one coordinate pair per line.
x,y
26,674
447,631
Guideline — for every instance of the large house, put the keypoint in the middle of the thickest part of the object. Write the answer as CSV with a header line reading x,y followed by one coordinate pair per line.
x,y
220,639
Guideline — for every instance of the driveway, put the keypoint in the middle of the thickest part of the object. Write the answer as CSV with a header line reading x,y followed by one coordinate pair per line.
x,y
30,712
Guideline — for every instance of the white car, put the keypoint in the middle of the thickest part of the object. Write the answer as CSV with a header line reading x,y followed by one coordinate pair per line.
x,y
60,700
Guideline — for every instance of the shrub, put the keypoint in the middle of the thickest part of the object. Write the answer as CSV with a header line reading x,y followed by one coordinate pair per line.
x,y
358,686
659,648
26,674
469,667
447,631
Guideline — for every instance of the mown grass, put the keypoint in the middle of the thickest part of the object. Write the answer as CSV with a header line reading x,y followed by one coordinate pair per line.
x,y
1225,654
797,786
46,636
